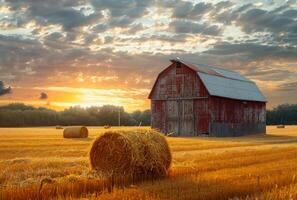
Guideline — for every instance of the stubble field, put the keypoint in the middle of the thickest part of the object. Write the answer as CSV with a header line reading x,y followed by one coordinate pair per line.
x,y
38,163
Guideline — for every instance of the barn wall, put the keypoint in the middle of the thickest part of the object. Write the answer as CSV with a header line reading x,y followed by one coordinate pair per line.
x,y
175,98
202,117
230,117
158,116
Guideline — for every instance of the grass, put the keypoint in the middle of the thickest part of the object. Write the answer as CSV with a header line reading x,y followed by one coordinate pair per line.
x,y
38,163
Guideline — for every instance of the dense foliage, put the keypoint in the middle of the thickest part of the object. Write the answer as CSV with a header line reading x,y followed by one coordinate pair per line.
x,y
282,114
20,115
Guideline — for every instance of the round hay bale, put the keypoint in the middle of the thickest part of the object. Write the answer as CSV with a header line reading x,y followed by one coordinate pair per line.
x,y
59,127
125,153
76,132
107,126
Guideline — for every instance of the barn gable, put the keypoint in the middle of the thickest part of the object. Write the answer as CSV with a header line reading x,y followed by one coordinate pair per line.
x,y
177,81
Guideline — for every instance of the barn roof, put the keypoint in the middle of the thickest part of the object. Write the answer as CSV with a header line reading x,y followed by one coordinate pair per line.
x,y
225,83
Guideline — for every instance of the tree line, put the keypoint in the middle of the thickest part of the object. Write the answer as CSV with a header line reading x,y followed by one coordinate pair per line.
x,y
283,114
21,115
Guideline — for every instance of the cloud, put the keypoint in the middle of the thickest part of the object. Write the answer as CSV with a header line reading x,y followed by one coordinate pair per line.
x,y
252,51
4,90
68,14
121,13
183,26
251,19
130,8
122,21
182,9
69,18
189,10
269,74
291,87
43,95
110,44
258,20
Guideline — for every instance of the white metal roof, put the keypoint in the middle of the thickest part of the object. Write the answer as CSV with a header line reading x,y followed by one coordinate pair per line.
x,y
225,83
231,88
230,74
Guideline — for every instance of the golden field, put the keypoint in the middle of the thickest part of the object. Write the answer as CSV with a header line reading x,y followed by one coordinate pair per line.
x,y
38,163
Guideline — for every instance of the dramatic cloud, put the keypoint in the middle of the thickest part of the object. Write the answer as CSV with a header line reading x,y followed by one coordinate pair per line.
x,y
130,8
121,46
181,26
291,87
258,20
253,51
68,14
186,9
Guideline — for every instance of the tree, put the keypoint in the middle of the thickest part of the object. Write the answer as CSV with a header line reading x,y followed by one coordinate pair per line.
x,y
282,114
20,115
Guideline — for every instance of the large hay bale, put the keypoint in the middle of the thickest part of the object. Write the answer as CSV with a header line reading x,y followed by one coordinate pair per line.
x,y
76,132
139,152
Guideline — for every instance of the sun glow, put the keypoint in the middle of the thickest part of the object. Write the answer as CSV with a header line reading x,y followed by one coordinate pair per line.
x,y
131,99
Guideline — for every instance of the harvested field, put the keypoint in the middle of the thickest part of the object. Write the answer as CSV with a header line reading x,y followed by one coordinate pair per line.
x,y
38,163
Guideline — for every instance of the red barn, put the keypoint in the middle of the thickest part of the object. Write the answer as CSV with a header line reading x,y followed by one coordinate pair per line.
x,y
189,100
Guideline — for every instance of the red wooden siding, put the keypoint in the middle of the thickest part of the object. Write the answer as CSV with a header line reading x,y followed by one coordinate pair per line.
x,y
174,101
235,111
158,115
181,105
202,117
178,82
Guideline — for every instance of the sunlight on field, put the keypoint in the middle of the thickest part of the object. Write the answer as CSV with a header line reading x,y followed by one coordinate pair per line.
x,y
250,167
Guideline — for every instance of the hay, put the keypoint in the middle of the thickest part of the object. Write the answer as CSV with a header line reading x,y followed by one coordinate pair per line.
x,y
280,126
76,132
107,127
59,127
138,152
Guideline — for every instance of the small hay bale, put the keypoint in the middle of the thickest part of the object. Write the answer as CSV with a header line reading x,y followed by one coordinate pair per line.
x,y
107,127
76,132
280,126
137,153
59,127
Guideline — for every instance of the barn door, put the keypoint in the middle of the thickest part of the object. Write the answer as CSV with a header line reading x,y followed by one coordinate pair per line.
x,y
172,117
187,118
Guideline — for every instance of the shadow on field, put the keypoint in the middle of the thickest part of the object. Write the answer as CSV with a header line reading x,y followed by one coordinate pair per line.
x,y
80,139
270,139
255,139
212,187
264,139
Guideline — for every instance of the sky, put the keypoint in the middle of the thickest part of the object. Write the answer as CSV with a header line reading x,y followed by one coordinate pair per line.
x,y
61,53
